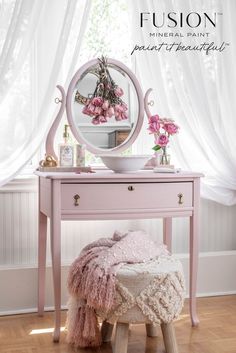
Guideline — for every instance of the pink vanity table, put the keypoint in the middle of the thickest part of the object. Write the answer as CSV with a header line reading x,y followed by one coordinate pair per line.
x,y
105,195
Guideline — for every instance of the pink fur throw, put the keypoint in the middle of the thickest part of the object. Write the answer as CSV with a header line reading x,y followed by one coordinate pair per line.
x,y
92,280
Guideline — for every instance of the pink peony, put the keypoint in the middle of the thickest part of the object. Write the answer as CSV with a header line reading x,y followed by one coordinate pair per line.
x,y
124,116
124,106
154,118
105,113
171,128
110,111
105,105
86,111
118,91
97,110
95,121
119,108
154,127
118,117
162,140
97,101
91,107
154,124
102,119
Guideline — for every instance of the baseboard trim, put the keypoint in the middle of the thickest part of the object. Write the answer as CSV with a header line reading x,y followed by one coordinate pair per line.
x,y
28,311
218,279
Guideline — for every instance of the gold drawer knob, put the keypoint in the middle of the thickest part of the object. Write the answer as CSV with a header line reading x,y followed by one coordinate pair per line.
x,y
130,188
180,196
76,198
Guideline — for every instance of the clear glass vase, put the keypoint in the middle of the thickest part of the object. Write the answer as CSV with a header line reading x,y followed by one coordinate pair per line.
x,y
164,157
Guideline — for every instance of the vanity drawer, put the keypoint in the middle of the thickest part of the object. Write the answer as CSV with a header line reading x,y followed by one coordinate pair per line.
x,y
126,196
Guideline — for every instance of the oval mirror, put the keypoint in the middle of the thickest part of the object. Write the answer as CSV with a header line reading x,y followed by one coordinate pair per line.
x,y
104,106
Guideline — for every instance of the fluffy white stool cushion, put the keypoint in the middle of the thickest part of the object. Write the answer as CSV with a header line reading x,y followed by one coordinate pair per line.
x,y
150,292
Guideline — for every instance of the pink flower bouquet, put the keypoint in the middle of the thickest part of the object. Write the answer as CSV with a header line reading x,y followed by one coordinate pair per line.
x,y
162,129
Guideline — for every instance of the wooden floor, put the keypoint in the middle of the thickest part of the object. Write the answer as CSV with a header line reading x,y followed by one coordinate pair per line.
x,y
216,333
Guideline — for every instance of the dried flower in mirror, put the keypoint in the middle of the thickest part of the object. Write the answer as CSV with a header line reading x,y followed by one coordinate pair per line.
x,y
106,100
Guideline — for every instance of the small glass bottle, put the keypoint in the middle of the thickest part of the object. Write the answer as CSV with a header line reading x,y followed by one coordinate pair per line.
x,y
80,155
66,150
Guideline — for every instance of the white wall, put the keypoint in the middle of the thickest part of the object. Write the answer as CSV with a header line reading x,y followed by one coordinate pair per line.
x,y
18,241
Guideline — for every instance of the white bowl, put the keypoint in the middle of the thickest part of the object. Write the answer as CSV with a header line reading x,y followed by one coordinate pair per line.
x,y
124,164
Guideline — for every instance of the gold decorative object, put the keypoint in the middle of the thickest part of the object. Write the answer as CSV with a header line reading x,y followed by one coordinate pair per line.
x,y
49,161
76,198
180,196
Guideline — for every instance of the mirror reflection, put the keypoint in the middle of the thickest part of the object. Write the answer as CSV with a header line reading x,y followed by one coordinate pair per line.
x,y
105,105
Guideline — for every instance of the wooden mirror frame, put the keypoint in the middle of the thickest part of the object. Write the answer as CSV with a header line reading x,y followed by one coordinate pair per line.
x,y
78,135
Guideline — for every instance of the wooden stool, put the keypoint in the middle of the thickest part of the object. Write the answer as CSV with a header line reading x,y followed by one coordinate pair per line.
x,y
151,293
122,330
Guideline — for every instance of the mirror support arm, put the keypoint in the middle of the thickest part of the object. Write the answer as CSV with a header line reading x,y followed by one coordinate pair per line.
x,y
51,134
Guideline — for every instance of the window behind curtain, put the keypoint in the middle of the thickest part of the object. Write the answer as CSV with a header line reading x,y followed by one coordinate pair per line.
x,y
107,34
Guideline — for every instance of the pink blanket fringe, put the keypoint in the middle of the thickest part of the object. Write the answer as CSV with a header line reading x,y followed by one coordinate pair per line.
x,y
85,331
92,278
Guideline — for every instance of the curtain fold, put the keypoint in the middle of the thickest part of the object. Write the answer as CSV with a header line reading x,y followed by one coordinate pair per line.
x,y
38,51
18,37
196,90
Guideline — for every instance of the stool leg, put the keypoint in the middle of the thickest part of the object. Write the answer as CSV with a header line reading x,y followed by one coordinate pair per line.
x,y
169,338
121,337
106,331
151,330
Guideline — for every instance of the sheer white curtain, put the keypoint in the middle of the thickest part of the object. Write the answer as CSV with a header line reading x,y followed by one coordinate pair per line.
x,y
196,90
39,44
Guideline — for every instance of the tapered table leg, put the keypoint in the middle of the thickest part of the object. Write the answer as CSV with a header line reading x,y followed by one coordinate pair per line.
x,y
167,232
194,233
55,223
42,243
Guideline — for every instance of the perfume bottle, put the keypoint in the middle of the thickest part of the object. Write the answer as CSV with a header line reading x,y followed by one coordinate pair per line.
x,y
66,150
